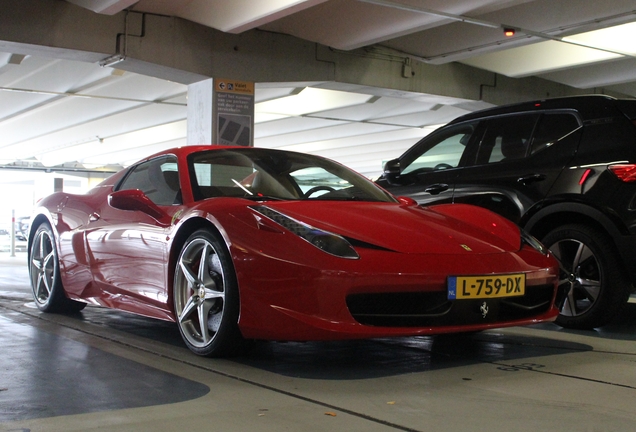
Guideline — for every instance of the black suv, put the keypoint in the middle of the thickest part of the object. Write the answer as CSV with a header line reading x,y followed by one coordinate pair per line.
x,y
563,169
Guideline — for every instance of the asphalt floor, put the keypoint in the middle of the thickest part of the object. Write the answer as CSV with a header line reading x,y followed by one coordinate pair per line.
x,y
112,371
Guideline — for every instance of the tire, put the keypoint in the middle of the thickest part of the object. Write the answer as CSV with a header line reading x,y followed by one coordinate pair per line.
x,y
595,287
206,297
44,272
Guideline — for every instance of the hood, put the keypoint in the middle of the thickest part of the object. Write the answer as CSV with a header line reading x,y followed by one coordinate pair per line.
x,y
443,229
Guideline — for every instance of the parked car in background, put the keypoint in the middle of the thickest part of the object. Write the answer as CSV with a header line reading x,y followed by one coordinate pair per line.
x,y
19,243
248,243
22,227
563,169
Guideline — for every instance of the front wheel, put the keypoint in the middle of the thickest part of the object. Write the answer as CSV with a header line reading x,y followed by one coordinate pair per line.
x,y
206,298
44,271
594,286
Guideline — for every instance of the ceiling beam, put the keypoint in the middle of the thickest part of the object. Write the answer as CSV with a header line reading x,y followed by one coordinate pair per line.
x,y
106,7
237,16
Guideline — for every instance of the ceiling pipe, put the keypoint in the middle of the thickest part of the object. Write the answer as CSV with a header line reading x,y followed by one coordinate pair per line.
x,y
525,32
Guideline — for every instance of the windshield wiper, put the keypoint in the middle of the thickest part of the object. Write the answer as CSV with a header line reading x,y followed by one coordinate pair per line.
x,y
337,198
242,187
264,198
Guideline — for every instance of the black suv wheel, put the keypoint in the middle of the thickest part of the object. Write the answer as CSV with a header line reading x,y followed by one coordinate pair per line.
x,y
593,287
564,169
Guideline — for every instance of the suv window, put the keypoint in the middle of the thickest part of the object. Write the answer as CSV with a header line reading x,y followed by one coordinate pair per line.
x,y
553,128
506,138
442,151
157,178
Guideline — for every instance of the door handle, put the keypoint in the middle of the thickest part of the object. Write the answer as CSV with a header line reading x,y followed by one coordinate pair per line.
x,y
436,189
94,217
531,178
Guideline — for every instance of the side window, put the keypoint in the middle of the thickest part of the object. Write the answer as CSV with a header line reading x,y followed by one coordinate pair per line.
x,y
506,138
157,178
440,151
552,128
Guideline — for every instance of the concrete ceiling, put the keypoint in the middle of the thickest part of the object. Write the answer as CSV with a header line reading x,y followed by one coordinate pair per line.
x,y
56,111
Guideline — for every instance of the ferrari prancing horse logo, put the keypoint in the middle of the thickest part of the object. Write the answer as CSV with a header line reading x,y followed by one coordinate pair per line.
x,y
484,309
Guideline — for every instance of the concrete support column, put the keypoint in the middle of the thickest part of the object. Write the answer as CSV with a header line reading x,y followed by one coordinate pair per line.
x,y
12,248
221,111
200,113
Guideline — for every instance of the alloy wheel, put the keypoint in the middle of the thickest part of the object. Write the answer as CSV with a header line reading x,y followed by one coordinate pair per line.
x,y
199,292
580,274
42,266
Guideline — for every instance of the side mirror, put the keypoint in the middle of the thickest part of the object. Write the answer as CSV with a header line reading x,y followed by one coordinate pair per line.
x,y
392,167
392,172
407,201
135,200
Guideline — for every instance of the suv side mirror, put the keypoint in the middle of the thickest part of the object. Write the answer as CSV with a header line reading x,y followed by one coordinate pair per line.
x,y
392,167
136,200
392,172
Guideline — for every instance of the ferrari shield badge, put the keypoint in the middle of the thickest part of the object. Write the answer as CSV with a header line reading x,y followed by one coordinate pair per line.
x,y
175,217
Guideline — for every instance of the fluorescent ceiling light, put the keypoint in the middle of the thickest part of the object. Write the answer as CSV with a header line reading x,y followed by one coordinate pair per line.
x,y
241,15
618,38
538,58
311,100
576,50
145,137
71,153
106,7
92,150
265,117
434,12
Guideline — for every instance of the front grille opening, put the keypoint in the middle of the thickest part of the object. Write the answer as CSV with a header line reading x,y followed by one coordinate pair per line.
x,y
397,309
431,309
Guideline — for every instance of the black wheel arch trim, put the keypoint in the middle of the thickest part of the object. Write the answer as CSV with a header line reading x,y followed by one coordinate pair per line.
x,y
624,241
612,225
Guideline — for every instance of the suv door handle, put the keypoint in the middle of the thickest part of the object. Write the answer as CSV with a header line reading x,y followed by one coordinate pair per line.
x,y
531,178
436,189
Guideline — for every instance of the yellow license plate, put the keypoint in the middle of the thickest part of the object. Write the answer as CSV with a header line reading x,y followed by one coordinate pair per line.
x,y
491,286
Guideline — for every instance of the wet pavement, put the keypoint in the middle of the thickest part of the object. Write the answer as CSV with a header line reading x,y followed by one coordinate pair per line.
x,y
109,370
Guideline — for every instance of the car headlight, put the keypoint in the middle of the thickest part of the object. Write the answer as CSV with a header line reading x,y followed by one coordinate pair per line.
x,y
533,242
327,242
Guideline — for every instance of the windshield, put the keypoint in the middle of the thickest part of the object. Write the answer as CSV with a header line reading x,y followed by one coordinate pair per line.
x,y
261,174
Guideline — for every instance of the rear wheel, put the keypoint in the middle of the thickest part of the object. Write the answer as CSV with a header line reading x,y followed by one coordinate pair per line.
x,y
44,271
594,286
206,298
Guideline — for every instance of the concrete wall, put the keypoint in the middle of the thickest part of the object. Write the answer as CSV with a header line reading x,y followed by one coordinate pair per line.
x,y
186,52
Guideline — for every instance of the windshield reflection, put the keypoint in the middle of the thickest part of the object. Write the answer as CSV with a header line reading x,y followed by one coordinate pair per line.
x,y
262,174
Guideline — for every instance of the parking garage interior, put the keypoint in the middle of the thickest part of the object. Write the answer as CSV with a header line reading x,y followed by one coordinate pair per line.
x,y
89,87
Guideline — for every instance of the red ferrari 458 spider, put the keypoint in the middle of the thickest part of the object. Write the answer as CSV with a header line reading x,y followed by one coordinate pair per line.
x,y
235,244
